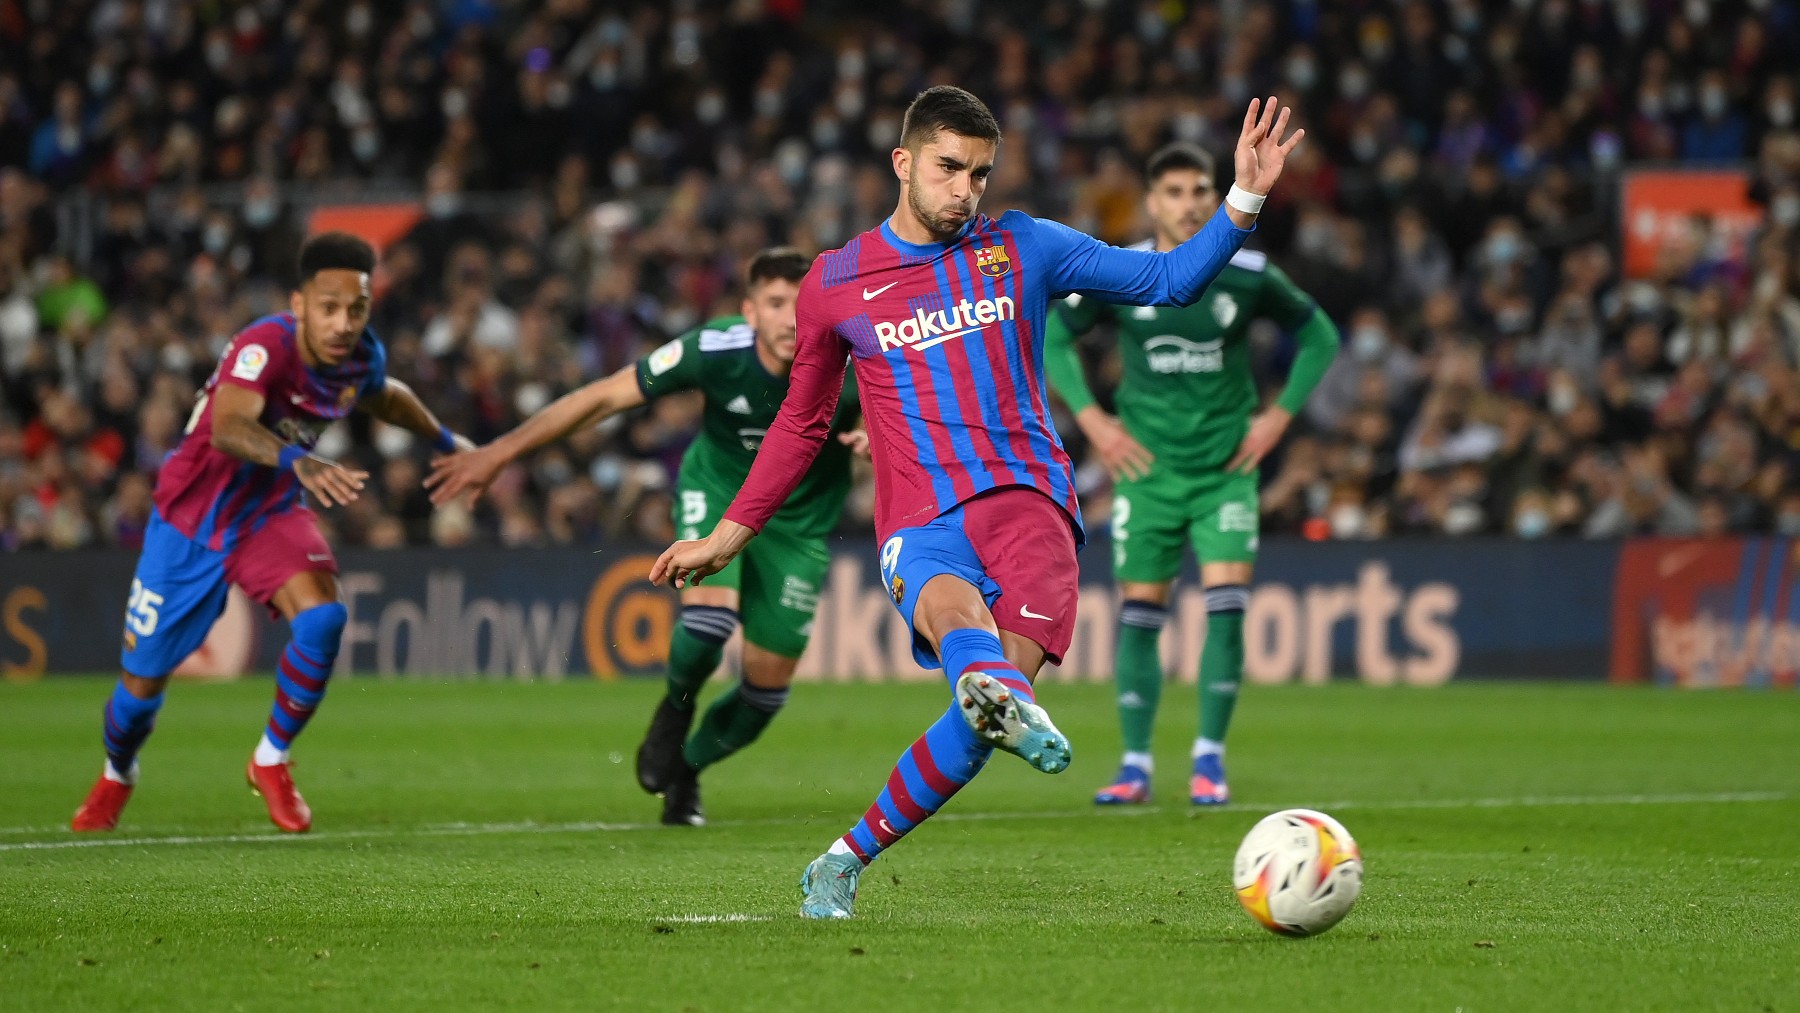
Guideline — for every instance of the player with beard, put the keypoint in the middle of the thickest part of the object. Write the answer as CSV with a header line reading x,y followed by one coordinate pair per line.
x,y
741,366
943,311
1188,393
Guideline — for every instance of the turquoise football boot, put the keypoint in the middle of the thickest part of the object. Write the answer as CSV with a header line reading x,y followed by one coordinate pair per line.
x,y
829,886
1007,722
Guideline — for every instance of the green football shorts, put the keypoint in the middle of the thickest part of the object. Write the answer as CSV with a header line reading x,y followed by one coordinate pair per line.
x,y
778,576
1154,517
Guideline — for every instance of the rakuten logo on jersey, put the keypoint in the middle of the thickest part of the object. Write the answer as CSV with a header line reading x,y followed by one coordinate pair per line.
x,y
922,329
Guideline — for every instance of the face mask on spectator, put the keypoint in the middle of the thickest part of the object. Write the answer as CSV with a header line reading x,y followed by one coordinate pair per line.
x,y
607,473
1786,210
100,79
1190,127
365,144
1788,524
1368,342
1604,149
1314,238
884,132
1347,521
1503,248
710,109
1532,523
1712,102
443,205
1513,319
1650,105
1150,25
1353,84
175,357
1302,73
392,441
1563,398
216,238
1780,112
258,213
1462,519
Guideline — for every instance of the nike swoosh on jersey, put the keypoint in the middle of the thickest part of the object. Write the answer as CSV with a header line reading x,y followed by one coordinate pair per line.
x,y
872,293
1025,610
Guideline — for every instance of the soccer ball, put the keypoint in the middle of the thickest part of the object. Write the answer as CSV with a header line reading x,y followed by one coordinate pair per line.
x,y
1297,872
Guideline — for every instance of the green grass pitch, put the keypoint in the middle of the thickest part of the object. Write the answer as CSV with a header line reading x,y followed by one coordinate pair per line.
x,y
484,845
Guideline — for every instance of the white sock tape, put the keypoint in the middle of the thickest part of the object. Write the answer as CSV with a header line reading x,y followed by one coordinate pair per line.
x,y
1245,201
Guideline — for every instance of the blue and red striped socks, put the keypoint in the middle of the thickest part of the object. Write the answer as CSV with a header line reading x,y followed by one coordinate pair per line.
x,y
944,759
300,678
128,722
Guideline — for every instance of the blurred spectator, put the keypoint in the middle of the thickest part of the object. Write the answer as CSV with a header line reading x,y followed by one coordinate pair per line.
x,y
591,176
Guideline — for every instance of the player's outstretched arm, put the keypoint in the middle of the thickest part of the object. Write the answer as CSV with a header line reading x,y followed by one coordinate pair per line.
x,y
474,471
399,405
1081,263
236,431
690,562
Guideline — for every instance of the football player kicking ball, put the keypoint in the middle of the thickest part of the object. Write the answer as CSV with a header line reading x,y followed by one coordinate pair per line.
x,y
741,365
943,310
229,510
1189,394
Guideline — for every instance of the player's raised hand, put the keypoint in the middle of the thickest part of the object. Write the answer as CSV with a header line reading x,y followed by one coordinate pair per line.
x,y
1261,150
1264,433
331,482
858,442
1121,453
471,471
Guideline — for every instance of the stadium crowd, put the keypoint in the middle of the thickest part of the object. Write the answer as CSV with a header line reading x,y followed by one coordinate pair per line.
x,y
592,175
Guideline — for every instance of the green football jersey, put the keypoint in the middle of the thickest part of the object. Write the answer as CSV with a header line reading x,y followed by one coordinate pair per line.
x,y
719,360
1187,391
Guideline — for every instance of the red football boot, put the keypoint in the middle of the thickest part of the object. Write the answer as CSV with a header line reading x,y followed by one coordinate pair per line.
x,y
276,786
102,808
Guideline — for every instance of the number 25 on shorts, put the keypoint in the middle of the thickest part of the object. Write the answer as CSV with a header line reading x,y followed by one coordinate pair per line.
x,y
140,609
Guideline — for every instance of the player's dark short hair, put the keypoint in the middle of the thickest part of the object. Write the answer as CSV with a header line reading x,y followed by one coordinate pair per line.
x,y
947,107
777,263
1178,156
335,251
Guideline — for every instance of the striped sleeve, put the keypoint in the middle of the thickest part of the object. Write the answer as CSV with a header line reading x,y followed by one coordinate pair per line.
x,y
804,422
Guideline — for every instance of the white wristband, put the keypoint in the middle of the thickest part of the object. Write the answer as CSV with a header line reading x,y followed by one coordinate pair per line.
x,y
1243,200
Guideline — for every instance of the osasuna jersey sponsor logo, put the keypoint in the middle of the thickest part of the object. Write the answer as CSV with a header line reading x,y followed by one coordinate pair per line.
x,y
923,329
1170,354
739,404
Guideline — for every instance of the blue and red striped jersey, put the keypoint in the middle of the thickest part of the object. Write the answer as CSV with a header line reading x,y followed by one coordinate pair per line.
x,y
949,346
215,498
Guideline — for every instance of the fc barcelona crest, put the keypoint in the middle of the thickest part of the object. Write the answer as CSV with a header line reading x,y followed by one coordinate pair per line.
x,y
346,398
993,261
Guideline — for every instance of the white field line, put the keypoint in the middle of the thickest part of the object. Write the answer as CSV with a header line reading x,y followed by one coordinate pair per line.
x,y
528,827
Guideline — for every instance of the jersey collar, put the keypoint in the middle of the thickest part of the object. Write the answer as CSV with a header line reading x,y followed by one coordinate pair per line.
x,y
922,249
